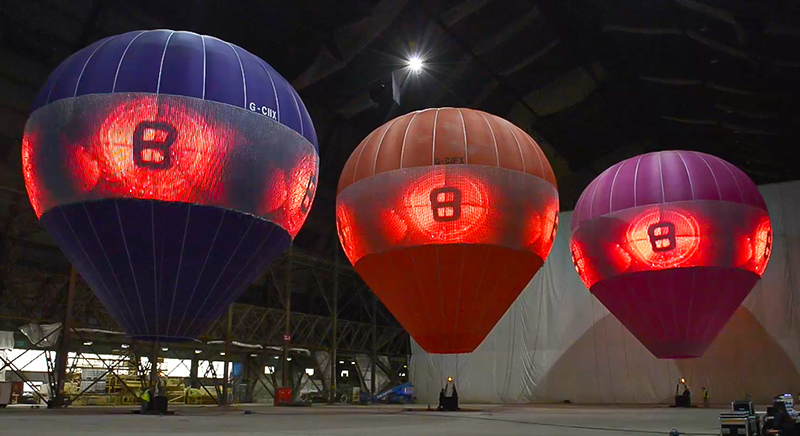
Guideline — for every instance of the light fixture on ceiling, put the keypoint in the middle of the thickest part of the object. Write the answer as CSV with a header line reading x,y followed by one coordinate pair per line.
x,y
415,64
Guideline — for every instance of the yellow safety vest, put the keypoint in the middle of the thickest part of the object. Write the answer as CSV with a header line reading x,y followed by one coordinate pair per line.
x,y
146,396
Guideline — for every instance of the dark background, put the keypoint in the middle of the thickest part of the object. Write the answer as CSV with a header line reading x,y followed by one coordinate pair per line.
x,y
593,81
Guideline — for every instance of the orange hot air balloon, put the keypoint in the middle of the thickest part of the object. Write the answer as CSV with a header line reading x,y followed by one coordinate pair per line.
x,y
447,214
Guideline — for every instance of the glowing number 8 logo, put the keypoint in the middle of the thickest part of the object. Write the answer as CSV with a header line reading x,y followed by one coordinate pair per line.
x,y
151,142
446,204
662,236
308,196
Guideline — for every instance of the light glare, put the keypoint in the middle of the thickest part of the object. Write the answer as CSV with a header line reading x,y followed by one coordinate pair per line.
x,y
415,64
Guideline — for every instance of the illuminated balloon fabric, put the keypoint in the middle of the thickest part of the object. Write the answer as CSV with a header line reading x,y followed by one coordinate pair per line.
x,y
171,168
447,214
671,243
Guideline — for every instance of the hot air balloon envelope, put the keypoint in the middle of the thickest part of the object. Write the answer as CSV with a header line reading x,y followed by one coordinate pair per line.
x,y
447,214
671,243
171,168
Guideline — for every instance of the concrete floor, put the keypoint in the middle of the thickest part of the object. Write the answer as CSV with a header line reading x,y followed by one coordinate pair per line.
x,y
492,420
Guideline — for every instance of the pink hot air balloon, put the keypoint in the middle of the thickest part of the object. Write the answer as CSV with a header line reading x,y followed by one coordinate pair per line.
x,y
671,243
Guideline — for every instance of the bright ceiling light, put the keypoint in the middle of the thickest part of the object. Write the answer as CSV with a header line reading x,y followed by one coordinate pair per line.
x,y
415,64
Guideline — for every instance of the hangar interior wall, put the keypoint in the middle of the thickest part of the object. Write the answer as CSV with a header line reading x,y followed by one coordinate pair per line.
x,y
558,343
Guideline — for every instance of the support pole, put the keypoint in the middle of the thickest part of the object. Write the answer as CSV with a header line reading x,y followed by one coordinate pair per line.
x,y
63,345
372,388
195,368
335,316
226,376
154,365
250,375
287,333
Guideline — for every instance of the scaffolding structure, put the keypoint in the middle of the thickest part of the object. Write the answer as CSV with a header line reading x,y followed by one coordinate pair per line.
x,y
298,319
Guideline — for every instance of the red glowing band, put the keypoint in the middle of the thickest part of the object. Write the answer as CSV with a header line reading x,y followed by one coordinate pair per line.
x,y
454,204
168,148
672,235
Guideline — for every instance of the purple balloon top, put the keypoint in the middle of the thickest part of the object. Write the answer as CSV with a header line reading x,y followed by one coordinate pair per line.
x,y
179,63
664,177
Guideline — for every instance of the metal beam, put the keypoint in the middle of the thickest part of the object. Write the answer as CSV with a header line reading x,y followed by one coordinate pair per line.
x,y
226,376
334,307
374,355
63,345
287,334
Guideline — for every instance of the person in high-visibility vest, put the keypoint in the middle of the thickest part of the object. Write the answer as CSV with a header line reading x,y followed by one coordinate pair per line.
x,y
145,399
706,402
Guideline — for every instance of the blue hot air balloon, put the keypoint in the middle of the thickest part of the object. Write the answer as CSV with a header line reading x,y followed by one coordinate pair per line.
x,y
172,168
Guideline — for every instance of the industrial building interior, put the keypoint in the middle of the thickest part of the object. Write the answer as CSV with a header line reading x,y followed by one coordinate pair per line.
x,y
592,82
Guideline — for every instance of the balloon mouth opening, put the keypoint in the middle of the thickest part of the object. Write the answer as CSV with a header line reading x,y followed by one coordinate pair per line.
x,y
434,350
680,356
676,351
161,339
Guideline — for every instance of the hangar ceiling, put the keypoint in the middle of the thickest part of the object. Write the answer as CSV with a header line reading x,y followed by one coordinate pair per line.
x,y
593,82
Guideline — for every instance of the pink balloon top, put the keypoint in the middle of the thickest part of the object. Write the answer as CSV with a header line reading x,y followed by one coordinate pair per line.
x,y
663,177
